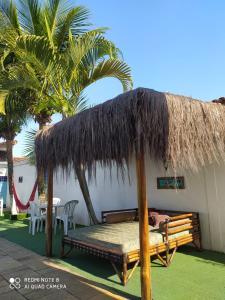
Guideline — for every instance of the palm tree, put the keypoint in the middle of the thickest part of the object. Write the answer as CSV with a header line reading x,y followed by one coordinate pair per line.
x,y
53,30
10,125
13,112
51,19
73,59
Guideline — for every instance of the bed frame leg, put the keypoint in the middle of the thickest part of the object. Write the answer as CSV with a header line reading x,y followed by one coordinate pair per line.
x,y
163,261
119,274
133,269
169,257
62,250
124,273
198,242
63,254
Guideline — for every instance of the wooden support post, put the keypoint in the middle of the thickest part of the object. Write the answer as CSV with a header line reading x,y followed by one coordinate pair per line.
x,y
124,272
143,225
49,213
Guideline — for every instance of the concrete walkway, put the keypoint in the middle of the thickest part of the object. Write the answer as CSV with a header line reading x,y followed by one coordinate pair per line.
x,y
27,275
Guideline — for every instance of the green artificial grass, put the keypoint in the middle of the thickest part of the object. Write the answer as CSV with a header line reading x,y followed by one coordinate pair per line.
x,y
7,215
193,275
19,216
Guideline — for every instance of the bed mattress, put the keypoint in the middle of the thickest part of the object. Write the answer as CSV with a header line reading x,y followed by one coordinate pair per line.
x,y
119,237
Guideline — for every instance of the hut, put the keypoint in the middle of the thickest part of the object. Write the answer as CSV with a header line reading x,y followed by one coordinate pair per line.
x,y
180,132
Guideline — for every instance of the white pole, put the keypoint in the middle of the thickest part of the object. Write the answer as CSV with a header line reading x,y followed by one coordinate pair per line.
x,y
1,206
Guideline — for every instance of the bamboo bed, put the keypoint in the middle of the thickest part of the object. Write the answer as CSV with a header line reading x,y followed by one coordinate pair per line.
x,y
111,241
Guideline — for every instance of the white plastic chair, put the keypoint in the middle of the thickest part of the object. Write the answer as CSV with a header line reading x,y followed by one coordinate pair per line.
x,y
35,218
68,216
55,201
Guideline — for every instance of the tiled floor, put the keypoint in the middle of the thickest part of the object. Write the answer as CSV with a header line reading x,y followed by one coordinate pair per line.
x,y
36,277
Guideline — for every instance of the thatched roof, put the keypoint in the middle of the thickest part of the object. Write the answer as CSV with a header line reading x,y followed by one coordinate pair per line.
x,y
178,130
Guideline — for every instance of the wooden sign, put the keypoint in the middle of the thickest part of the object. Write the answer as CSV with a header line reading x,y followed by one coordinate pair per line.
x,y
170,183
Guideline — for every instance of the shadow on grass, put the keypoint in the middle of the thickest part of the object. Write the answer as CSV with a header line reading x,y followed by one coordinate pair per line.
x,y
205,256
100,269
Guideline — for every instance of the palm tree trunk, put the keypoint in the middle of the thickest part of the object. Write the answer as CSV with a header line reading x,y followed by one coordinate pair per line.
x,y
40,180
85,191
9,153
40,174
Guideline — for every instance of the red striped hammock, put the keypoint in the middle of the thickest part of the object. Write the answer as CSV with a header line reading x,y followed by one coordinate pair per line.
x,y
19,204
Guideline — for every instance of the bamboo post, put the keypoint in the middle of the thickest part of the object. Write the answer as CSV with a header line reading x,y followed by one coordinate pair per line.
x,y
143,225
49,213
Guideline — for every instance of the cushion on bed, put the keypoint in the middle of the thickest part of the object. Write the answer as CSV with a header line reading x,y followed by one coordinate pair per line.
x,y
157,218
152,221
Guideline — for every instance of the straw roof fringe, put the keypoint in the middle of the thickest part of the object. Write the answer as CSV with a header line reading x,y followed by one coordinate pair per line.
x,y
177,130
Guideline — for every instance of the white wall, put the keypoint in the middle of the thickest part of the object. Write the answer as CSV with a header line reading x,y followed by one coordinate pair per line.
x,y
69,190
25,188
204,192
193,198
3,169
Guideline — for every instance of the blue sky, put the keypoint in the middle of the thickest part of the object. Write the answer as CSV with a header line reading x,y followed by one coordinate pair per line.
x,y
171,45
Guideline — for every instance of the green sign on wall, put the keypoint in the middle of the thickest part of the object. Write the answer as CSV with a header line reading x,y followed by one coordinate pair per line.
x,y
170,183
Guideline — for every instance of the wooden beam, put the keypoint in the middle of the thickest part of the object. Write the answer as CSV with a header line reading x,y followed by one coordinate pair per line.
x,y
49,213
146,293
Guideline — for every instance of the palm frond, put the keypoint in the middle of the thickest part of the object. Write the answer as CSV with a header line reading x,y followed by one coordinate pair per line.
x,y
50,12
101,49
82,48
28,144
109,68
72,20
30,16
49,33
3,95
15,114
53,9
78,103
9,14
3,58
31,49
8,36
19,77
